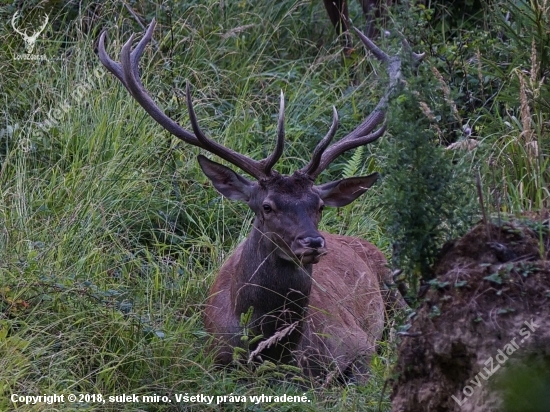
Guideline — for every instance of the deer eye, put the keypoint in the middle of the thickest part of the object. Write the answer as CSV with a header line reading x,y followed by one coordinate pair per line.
x,y
267,208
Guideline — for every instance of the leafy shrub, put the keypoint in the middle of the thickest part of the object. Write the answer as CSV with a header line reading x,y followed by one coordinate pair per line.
x,y
425,196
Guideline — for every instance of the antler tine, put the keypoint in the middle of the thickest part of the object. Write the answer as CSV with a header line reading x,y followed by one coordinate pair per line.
x,y
253,167
416,57
313,164
45,23
369,44
13,18
106,60
367,131
270,161
127,72
343,146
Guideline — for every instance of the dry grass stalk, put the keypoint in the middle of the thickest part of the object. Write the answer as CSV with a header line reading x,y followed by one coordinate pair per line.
x,y
236,31
431,117
535,65
447,93
529,90
524,109
272,340
465,144
480,73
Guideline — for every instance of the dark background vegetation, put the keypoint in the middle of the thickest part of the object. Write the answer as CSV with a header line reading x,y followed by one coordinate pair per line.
x,y
110,236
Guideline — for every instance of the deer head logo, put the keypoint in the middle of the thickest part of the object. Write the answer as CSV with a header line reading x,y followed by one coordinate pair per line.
x,y
29,40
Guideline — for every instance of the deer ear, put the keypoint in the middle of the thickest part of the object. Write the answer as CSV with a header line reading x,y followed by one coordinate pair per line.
x,y
226,181
343,192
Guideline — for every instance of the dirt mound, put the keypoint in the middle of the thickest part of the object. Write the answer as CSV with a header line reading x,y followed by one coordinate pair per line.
x,y
485,317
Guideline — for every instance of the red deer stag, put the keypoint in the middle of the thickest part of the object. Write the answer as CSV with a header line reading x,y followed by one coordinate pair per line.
x,y
316,298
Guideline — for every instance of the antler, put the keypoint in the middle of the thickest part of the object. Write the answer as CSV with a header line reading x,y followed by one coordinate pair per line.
x,y
35,35
24,34
365,133
15,28
127,72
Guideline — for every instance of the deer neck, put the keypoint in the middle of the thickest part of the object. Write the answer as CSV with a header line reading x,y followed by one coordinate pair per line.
x,y
268,283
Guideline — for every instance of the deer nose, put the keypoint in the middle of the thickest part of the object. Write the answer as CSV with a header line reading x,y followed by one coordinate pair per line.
x,y
317,242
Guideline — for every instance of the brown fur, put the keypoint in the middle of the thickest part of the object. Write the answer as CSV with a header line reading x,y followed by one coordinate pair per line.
x,y
345,315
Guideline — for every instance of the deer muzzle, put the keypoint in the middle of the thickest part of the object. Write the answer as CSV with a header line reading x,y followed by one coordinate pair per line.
x,y
309,249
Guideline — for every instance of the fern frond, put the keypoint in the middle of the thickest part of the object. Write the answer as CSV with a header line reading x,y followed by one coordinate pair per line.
x,y
353,165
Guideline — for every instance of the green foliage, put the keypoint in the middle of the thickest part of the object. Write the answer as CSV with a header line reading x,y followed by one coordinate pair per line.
x,y
353,165
495,61
486,98
423,195
520,149
526,385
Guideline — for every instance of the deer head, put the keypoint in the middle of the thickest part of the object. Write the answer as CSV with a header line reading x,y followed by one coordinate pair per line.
x,y
287,208
29,40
